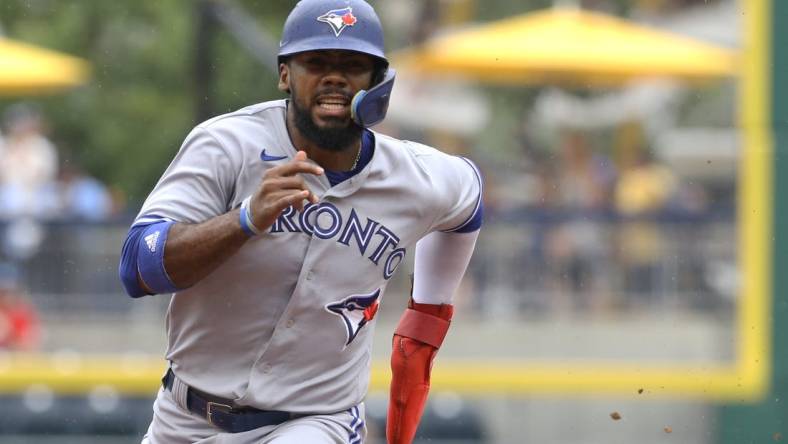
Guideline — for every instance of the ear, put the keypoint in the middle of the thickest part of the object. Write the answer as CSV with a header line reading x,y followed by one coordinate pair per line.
x,y
284,78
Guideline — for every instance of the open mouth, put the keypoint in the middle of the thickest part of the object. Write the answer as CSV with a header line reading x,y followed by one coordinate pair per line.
x,y
333,103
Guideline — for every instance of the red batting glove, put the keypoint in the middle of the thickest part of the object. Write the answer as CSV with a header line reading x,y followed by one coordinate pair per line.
x,y
417,339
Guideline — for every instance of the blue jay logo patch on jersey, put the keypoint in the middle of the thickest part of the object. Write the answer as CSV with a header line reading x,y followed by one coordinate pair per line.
x,y
356,311
339,19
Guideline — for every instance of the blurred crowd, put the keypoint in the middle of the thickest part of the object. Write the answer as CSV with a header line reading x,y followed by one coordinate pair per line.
x,y
595,221
605,225
36,181
38,185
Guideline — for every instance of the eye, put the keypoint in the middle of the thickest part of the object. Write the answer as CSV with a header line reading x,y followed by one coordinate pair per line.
x,y
314,62
358,65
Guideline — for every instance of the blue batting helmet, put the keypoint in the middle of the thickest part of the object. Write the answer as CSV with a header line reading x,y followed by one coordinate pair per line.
x,y
351,25
332,24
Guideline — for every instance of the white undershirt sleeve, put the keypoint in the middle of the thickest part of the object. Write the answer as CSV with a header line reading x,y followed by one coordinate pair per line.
x,y
440,262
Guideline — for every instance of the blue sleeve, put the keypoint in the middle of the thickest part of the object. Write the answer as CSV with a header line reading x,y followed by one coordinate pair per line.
x,y
128,262
143,256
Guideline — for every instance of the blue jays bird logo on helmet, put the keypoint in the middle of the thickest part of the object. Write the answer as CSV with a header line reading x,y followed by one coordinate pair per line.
x,y
339,19
356,311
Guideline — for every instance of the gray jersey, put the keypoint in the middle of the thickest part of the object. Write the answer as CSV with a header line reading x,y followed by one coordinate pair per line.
x,y
286,323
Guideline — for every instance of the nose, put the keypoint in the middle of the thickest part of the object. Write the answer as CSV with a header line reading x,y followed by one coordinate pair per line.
x,y
335,72
334,76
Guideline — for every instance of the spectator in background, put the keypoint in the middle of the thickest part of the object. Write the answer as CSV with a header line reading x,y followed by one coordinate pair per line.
x,y
20,328
584,180
586,177
82,197
644,189
28,165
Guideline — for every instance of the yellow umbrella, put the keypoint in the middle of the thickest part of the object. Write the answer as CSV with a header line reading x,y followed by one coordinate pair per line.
x,y
564,45
28,70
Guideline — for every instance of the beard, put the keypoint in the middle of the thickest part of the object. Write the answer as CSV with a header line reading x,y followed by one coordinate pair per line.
x,y
338,136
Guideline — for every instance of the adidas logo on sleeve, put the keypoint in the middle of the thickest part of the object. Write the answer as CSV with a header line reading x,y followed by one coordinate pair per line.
x,y
151,241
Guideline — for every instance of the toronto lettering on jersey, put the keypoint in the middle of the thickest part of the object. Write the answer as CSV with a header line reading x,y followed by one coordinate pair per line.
x,y
325,221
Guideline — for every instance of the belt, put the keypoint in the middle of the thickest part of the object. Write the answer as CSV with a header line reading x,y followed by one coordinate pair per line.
x,y
221,412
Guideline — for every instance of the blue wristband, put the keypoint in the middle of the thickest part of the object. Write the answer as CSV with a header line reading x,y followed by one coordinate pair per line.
x,y
247,225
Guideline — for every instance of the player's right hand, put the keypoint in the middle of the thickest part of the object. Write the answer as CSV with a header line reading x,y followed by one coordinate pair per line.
x,y
283,186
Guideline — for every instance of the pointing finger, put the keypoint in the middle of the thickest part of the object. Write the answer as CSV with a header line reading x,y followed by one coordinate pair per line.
x,y
294,167
299,164
294,199
302,156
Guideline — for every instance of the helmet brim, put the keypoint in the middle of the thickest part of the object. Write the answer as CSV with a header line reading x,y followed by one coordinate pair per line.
x,y
324,43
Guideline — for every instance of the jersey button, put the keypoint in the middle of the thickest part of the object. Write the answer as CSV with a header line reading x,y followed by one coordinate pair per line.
x,y
289,323
310,275
266,368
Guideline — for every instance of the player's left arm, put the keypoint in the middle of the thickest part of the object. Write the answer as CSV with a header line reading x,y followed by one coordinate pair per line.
x,y
440,263
441,260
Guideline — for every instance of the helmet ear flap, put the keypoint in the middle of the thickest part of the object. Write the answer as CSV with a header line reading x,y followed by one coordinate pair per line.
x,y
369,108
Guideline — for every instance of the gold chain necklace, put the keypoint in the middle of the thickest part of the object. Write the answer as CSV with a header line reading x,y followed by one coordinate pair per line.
x,y
355,162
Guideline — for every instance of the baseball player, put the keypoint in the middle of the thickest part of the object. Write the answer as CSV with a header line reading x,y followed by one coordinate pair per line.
x,y
277,229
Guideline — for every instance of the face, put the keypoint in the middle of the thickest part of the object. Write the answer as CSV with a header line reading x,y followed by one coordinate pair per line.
x,y
322,85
